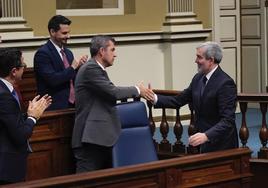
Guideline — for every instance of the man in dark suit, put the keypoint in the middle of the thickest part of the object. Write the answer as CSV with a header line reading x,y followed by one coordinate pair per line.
x,y
55,66
213,96
15,127
97,126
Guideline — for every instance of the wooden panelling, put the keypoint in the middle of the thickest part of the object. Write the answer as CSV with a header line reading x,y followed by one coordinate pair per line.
x,y
259,168
50,142
228,28
27,86
251,28
216,169
229,57
227,4
227,32
248,4
40,164
251,66
254,45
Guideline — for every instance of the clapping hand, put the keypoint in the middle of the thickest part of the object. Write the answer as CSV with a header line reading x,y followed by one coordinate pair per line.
x,y
76,64
83,59
38,105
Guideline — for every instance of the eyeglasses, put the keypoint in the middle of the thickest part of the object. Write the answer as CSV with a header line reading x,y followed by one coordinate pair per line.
x,y
22,65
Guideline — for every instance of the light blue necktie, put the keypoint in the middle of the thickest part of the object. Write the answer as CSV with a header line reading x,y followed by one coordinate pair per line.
x,y
15,95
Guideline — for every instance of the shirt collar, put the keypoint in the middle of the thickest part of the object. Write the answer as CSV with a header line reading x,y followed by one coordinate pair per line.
x,y
211,72
8,84
57,47
100,65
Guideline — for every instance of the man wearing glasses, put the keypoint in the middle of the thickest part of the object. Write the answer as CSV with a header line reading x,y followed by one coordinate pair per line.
x,y
15,126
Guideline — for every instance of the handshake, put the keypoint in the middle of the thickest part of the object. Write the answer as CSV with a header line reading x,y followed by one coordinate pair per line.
x,y
146,93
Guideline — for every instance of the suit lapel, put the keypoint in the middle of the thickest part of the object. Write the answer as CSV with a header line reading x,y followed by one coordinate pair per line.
x,y
59,64
103,71
211,81
210,85
5,88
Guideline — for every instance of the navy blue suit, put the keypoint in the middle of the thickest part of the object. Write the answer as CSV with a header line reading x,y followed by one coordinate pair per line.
x,y
15,129
214,110
52,77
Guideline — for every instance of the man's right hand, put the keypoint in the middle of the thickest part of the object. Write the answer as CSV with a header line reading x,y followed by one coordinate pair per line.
x,y
76,64
38,105
146,93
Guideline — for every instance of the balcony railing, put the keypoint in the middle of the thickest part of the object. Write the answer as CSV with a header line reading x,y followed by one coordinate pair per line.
x,y
179,148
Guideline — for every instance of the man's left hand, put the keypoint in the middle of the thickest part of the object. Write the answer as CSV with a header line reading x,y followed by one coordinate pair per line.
x,y
198,139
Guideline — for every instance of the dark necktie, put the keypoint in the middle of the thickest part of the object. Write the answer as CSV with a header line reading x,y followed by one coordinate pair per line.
x,y
204,82
66,65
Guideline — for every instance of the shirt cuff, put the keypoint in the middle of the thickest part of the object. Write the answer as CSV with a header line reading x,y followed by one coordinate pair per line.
x,y
33,119
155,99
138,90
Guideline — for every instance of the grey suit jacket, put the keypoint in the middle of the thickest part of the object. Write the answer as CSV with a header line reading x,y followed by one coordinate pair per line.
x,y
96,120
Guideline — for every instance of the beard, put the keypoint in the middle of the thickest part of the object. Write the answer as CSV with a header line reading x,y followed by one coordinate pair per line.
x,y
200,68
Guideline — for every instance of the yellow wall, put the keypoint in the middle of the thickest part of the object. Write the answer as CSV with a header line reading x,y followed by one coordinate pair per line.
x,y
37,14
203,10
144,15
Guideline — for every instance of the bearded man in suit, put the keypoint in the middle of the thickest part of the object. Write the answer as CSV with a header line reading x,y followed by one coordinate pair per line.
x,y
213,95
55,66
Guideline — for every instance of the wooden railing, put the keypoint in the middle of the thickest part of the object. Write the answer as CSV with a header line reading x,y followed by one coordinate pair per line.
x,y
262,100
164,146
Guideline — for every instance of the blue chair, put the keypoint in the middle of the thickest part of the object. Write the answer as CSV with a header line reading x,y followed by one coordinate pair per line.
x,y
135,144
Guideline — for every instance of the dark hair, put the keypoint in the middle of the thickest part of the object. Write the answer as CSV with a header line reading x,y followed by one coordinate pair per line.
x,y
55,21
9,58
98,42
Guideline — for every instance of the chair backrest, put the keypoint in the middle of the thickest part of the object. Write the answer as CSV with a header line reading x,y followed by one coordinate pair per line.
x,y
135,144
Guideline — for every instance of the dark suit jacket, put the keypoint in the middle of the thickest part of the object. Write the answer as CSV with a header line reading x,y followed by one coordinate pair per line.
x,y
214,111
15,129
52,77
96,120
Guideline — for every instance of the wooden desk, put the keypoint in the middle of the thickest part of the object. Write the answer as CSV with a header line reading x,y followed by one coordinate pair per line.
x,y
51,143
229,169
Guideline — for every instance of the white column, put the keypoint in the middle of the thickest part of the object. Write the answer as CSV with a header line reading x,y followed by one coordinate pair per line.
x,y
182,6
11,9
180,16
12,23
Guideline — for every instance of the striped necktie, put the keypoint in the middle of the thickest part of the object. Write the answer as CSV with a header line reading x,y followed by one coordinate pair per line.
x,y
66,65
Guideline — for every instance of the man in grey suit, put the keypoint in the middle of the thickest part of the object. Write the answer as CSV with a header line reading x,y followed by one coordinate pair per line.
x,y
97,126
